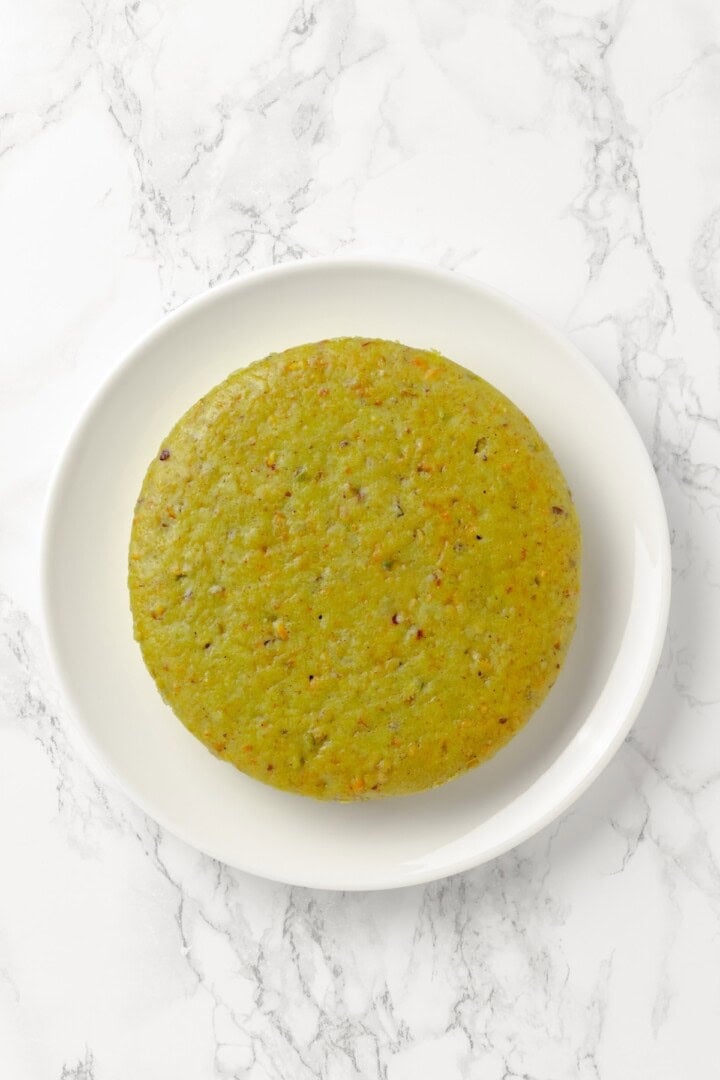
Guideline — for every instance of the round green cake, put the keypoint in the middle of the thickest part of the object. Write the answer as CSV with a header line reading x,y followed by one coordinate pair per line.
x,y
354,569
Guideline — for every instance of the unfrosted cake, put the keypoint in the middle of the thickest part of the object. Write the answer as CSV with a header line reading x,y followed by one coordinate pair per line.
x,y
354,569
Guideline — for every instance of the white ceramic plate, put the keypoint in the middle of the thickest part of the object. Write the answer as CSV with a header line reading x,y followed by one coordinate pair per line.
x,y
625,588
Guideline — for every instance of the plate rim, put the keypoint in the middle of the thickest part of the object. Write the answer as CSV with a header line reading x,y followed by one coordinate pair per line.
x,y
401,876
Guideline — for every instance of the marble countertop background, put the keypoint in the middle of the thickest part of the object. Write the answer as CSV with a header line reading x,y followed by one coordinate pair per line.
x,y
566,151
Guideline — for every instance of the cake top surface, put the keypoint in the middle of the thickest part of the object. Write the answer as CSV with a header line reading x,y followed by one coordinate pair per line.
x,y
354,569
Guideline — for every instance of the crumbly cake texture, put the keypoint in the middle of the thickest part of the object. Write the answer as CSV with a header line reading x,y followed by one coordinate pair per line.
x,y
354,569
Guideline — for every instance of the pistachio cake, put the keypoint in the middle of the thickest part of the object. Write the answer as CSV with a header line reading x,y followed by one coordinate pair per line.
x,y
354,569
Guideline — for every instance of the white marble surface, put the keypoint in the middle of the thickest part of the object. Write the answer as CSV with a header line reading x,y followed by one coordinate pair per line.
x,y
565,151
